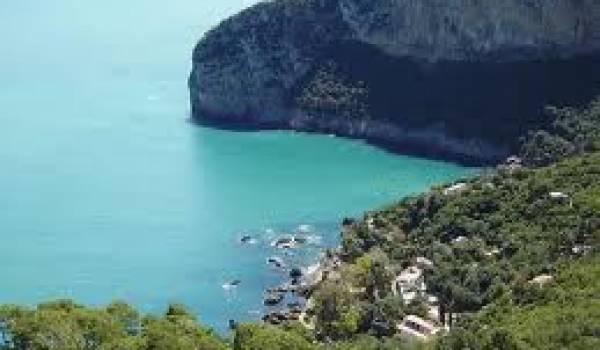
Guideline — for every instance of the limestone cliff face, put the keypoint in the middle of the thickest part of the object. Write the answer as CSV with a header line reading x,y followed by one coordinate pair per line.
x,y
476,29
461,78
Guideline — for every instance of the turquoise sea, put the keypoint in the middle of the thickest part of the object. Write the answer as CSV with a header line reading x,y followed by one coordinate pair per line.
x,y
107,191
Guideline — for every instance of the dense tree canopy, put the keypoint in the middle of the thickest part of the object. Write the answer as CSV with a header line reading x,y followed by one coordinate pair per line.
x,y
569,131
562,315
64,325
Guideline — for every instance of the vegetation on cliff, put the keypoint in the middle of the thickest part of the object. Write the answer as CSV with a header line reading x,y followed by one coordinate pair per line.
x,y
566,132
331,93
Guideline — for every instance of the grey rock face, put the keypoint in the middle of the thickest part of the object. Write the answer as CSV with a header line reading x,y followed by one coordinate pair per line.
x,y
476,29
250,69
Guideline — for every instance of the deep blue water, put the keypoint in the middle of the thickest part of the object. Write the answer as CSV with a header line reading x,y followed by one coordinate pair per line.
x,y
107,191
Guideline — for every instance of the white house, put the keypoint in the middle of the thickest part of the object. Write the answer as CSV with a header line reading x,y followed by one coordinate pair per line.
x,y
414,327
409,283
542,280
561,197
581,249
514,160
490,253
459,239
423,262
456,189
371,223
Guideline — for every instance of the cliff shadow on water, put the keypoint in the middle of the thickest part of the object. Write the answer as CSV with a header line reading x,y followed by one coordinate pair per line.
x,y
493,101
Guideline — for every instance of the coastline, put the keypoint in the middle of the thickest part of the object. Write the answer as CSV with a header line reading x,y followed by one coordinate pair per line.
x,y
430,142
302,288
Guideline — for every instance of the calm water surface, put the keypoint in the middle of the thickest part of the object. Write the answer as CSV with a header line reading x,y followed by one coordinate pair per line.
x,y
106,191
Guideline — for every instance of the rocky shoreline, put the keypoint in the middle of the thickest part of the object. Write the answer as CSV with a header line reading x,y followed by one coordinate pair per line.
x,y
432,142
301,285
301,288
290,252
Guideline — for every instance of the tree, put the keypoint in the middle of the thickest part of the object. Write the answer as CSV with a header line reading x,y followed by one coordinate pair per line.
x,y
250,336
337,315
126,316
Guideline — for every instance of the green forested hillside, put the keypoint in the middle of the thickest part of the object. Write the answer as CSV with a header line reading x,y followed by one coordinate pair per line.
x,y
567,132
562,315
487,244
488,238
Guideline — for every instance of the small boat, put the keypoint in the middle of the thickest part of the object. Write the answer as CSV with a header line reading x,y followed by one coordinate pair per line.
x,y
232,284
247,239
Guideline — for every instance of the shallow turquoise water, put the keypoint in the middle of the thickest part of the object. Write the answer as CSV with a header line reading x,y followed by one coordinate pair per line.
x,y
106,191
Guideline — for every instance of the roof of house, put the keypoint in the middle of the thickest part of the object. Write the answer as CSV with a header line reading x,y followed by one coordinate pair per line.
x,y
410,274
424,261
542,279
455,188
559,195
424,324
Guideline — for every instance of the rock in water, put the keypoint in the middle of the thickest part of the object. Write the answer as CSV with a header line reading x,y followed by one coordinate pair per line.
x,y
247,239
284,242
458,78
276,262
295,273
273,298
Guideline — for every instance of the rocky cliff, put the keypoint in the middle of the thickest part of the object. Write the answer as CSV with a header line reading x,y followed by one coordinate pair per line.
x,y
454,78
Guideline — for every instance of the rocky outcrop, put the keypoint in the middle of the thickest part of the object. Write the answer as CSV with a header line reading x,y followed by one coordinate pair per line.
x,y
456,78
246,68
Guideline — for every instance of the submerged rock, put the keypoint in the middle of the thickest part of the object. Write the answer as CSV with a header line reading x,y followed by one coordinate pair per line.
x,y
300,239
284,242
276,262
296,273
246,239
